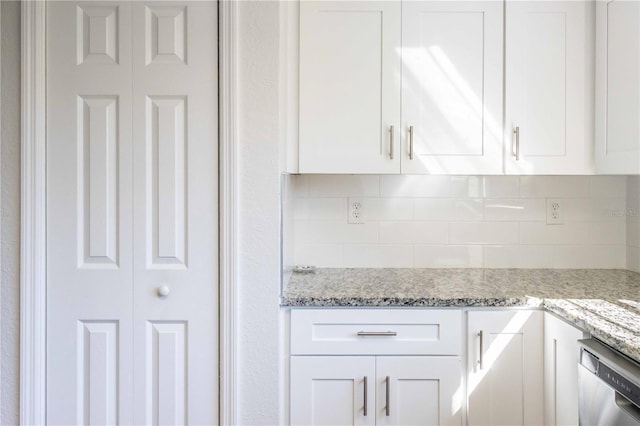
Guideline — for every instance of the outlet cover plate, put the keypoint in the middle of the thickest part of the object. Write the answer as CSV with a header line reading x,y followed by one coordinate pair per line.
x,y
555,212
355,210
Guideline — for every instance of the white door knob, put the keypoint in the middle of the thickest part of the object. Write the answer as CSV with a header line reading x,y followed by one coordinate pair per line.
x,y
164,290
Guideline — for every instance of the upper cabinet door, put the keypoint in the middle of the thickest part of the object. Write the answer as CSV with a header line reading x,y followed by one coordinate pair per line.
x,y
548,87
349,87
618,87
452,58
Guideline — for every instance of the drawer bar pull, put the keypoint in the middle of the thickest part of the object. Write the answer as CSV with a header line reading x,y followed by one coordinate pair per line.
x,y
376,333
365,396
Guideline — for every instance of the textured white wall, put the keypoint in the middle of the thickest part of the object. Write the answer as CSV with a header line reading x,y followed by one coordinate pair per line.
x,y
10,211
259,387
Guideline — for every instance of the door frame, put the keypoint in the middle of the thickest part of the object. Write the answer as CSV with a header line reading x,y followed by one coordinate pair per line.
x,y
33,261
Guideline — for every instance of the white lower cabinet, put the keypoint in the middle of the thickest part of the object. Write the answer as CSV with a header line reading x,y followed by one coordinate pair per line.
x,y
423,390
333,390
384,390
405,367
560,372
376,367
505,364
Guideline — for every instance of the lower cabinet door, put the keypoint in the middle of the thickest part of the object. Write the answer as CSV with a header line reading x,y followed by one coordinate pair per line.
x,y
504,380
333,390
561,356
419,390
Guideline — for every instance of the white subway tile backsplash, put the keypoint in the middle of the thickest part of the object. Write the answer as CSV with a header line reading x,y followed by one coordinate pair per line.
x,y
467,187
555,186
608,233
413,233
609,209
501,186
515,256
577,209
608,186
320,209
633,187
414,186
633,231
320,255
633,258
609,257
538,233
483,233
344,185
335,232
377,209
378,256
571,257
509,209
447,209
465,221
447,256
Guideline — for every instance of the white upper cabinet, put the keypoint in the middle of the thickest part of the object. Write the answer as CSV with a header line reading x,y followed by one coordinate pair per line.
x,y
618,87
548,87
455,87
452,87
349,87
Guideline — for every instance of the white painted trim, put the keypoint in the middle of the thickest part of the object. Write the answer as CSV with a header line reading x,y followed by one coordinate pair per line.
x,y
228,210
1,262
33,217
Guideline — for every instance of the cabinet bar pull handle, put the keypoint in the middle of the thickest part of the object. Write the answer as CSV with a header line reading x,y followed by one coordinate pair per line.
x,y
480,360
365,396
387,408
516,132
377,333
391,142
410,142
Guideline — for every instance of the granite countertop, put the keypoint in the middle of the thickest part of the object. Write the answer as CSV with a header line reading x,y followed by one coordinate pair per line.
x,y
603,302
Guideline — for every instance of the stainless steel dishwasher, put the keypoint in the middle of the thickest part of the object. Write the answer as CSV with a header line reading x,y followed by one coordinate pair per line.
x,y
609,386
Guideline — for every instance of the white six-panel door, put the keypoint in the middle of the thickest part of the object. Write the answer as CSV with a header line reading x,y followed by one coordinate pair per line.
x,y
132,213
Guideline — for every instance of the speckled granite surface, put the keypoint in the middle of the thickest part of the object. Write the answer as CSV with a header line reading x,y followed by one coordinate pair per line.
x,y
606,303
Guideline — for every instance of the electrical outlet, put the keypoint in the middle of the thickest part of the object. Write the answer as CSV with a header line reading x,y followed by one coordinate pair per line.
x,y
555,214
356,210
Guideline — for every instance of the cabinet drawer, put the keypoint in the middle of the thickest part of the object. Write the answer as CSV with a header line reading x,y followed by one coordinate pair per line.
x,y
376,332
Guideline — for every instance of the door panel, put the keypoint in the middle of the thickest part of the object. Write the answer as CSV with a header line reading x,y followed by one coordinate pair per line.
x,y
349,86
422,390
504,385
618,87
89,222
452,87
175,211
547,87
333,390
